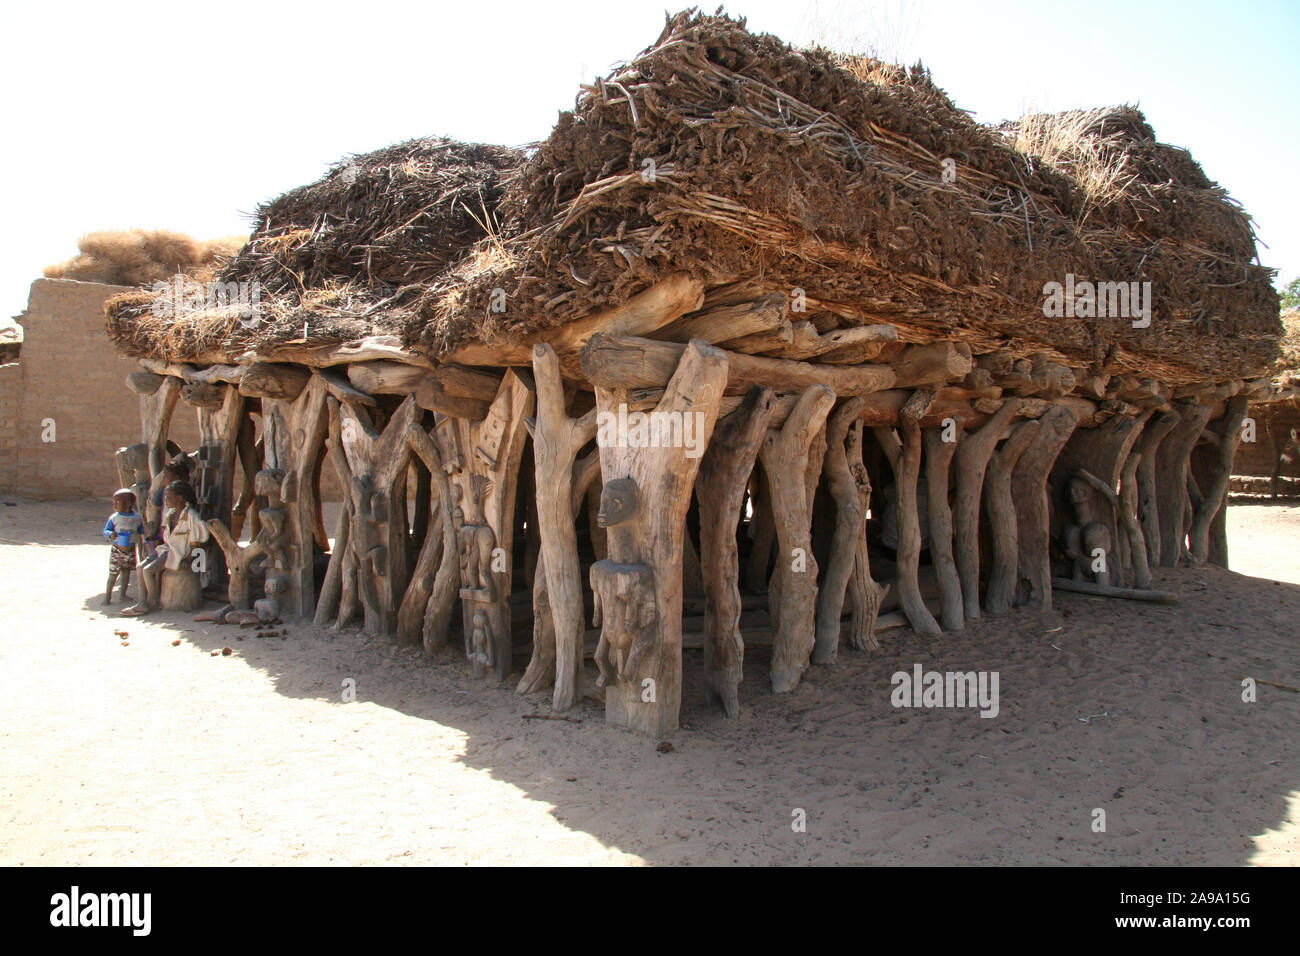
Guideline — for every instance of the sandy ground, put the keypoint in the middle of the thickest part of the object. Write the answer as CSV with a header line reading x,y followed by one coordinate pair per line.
x,y
151,753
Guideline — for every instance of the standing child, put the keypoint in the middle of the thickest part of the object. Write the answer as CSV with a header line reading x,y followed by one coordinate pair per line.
x,y
123,530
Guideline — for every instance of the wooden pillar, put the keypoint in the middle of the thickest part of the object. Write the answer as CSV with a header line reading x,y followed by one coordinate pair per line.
x,y
1214,483
938,458
638,588
294,424
1171,481
720,491
557,439
1148,446
441,594
905,459
850,526
786,455
1033,508
865,594
1001,508
971,463
482,458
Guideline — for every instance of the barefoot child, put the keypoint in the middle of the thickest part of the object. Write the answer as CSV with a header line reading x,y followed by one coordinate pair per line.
x,y
123,531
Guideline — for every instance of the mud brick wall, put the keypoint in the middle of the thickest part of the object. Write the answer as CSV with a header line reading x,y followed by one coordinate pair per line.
x,y
69,372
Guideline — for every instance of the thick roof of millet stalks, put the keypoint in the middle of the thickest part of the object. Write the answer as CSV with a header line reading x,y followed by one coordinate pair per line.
x,y
735,157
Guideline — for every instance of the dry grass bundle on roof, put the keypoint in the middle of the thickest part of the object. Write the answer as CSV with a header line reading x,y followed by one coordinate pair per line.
x,y
808,169
144,256
736,157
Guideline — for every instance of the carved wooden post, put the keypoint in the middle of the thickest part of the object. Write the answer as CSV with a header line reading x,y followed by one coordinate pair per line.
x,y
1033,512
971,463
786,454
482,461
294,422
905,460
1171,481
377,464
1001,507
720,491
221,414
1214,490
850,521
938,458
557,439
638,589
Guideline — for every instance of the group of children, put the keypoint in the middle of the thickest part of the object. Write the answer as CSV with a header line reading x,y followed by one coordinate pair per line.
x,y
169,546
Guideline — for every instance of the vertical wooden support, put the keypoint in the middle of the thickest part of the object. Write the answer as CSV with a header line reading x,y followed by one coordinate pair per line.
x,y
1215,488
1033,508
293,435
435,614
156,407
638,588
540,672
938,458
1139,560
376,464
219,423
865,594
720,491
971,463
1148,447
557,439
905,460
1001,508
482,459
850,526
786,455
1171,481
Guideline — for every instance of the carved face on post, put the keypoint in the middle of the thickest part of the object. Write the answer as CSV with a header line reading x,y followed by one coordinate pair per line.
x,y
620,500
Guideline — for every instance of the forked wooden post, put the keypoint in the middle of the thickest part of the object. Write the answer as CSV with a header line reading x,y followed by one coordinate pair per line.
x,y
638,588
482,460
850,527
720,491
971,464
1001,508
905,460
1033,508
1228,438
294,426
557,439
1171,482
939,449
786,454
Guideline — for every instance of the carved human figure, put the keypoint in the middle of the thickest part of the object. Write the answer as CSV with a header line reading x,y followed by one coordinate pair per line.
x,y
1086,534
624,597
481,643
620,501
268,608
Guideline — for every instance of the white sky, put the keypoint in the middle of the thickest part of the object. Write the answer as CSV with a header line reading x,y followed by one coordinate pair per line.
x,y
164,115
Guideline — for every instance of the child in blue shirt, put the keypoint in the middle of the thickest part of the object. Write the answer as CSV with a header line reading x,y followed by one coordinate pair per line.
x,y
124,529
